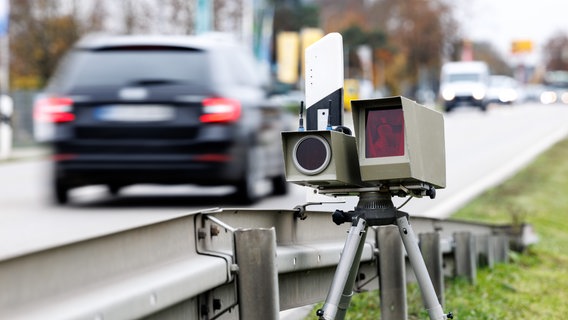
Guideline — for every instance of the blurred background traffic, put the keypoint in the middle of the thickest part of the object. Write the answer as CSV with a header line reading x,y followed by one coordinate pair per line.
x,y
391,48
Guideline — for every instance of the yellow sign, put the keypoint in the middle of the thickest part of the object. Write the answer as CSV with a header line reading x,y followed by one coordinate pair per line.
x,y
350,92
288,50
521,46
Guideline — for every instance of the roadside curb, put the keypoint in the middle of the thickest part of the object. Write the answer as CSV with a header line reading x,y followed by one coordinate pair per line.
x,y
25,153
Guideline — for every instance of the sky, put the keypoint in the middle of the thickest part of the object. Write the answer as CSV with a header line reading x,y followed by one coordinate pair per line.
x,y
503,21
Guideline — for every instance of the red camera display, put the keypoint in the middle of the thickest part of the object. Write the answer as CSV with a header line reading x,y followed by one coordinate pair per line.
x,y
384,130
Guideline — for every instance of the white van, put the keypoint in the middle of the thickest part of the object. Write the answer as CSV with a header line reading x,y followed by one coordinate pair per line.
x,y
6,134
464,83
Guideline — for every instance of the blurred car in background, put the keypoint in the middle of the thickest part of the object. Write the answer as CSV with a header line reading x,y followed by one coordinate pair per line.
x,y
503,90
556,87
6,134
464,83
123,110
532,92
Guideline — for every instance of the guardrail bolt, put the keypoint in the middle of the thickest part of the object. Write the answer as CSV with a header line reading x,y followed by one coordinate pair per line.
x,y
216,304
214,230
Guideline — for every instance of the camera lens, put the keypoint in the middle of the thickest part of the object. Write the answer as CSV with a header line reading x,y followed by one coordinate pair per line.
x,y
311,155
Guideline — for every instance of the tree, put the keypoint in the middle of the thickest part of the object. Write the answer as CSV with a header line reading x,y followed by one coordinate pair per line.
x,y
485,51
353,38
292,15
419,35
556,52
422,32
40,34
137,15
340,15
181,15
41,31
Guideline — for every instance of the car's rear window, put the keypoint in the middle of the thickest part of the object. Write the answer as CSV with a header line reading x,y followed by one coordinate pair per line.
x,y
133,66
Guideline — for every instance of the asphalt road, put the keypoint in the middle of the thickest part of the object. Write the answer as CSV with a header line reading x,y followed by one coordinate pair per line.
x,y
481,150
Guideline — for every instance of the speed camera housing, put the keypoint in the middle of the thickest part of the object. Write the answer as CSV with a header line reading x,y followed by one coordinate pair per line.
x,y
400,143
321,158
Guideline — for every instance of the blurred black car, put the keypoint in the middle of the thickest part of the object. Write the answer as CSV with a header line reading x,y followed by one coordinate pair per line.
x,y
126,110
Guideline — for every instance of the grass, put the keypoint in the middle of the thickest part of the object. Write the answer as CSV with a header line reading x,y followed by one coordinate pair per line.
x,y
534,284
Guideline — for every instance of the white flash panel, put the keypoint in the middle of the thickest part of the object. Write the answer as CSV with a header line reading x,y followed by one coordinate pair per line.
x,y
323,118
324,68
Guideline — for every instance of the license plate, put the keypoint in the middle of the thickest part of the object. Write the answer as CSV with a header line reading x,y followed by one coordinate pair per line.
x,y
135,113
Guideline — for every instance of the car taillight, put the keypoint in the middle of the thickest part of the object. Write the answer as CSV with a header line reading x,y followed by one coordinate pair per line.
x,y
54,109
220,110
213,157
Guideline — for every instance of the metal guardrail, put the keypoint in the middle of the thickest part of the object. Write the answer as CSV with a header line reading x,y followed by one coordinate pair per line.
x,y
223,264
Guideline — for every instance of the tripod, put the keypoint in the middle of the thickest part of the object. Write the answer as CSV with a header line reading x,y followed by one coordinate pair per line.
x,y
374,209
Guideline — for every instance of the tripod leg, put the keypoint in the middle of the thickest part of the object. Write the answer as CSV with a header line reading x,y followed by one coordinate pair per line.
x,y
426,287
341,290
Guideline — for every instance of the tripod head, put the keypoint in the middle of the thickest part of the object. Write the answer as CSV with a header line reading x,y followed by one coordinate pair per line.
x,y
376,208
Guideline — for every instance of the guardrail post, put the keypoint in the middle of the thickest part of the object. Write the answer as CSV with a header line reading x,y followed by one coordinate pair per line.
x,y
392,274
501,244
432,253
465,255
486,251
257,279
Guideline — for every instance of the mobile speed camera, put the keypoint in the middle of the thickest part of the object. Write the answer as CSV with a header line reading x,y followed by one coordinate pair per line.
x,y
396,147
397,144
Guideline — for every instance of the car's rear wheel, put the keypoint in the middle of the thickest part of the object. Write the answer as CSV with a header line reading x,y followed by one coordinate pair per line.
x,y
114,189
61,192
247,188
279,185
